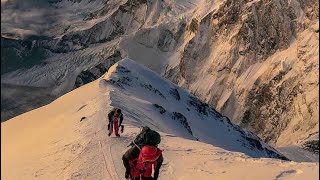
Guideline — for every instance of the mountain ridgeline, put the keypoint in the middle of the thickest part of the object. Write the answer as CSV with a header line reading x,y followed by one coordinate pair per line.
x,y
255,62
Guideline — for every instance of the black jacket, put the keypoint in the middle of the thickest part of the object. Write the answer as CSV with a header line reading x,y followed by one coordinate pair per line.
x,y
110,115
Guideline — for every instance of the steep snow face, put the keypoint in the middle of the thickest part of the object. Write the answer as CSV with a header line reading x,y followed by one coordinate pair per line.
x,y
256,62
173,110
56,142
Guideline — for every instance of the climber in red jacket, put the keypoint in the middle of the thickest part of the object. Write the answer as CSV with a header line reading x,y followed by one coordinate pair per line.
x,y
115,120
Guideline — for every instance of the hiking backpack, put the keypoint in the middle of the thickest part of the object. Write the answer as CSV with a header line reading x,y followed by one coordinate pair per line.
x,y
142,166
148,137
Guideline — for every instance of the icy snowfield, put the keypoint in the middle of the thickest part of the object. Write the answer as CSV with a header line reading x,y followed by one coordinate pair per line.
x,y
52,143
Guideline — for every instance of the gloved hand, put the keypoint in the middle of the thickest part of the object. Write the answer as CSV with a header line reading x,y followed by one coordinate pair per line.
x,y
127,174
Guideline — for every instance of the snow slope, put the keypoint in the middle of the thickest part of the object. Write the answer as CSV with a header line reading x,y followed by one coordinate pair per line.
x,y
52,142
298,154
307,150
256,61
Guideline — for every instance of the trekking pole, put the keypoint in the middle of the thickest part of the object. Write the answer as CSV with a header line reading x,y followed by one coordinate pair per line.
x,y
131,144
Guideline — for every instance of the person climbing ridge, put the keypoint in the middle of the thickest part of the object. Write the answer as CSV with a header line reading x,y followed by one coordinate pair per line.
x,y
143,156
115,120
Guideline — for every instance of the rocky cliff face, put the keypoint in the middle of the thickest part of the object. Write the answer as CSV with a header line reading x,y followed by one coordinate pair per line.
x,y
256,62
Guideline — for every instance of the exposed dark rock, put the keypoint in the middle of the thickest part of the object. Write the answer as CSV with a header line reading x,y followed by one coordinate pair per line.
x,y
117,83
101,12
270,122
97,71
194,26
182,119
175,93
312,146
131,5
150,88
228,120
166,39
182,29
254,143
161,109
125,81
199,105
123,69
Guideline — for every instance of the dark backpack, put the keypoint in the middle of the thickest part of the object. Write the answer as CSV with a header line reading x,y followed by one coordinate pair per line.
x,y
148,137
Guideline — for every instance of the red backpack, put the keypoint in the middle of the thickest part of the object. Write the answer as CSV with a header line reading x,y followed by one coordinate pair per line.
x,y
146,160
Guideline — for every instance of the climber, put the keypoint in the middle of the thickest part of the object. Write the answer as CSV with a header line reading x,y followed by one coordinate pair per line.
x,y
144,156
115,120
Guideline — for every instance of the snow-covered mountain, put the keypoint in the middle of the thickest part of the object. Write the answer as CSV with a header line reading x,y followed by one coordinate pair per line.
x,y
67,139
255,61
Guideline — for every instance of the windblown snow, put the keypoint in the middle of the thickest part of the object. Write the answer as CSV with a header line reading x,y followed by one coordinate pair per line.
x,y
52,142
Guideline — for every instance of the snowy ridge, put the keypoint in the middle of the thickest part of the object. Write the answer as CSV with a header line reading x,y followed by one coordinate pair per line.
x,y
154,93
56,142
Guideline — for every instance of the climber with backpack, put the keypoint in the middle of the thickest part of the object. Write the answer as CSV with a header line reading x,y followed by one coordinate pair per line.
x,y
115,121
143,156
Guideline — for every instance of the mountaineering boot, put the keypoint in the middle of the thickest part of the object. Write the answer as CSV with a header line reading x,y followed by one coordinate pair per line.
x,y
121,128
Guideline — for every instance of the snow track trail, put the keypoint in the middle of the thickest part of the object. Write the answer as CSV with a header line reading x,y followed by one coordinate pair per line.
x,y
105,161
113,148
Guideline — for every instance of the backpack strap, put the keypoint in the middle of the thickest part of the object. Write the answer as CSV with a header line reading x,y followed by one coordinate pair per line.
x,y
136,145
